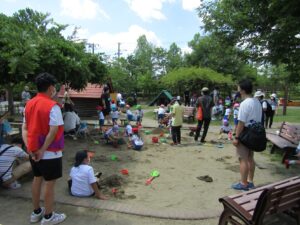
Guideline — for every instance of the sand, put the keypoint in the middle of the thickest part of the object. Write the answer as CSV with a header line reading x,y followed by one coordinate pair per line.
x,y
177,187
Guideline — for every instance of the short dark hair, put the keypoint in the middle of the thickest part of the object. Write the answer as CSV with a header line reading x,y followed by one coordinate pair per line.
x,y
44,81
246,85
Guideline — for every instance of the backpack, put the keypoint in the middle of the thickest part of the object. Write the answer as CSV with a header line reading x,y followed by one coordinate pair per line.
x,y
268,112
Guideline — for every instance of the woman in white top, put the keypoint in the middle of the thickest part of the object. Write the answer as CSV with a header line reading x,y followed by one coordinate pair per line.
x,y
83,181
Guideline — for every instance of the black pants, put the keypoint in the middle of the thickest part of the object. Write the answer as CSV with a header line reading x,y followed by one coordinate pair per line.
x,y
269,118
176,134
199,126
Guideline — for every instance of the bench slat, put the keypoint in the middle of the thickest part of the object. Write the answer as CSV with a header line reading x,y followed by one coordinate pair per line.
x,y
279,141
253,205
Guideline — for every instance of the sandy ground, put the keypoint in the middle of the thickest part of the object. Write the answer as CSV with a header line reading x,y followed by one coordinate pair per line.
x,y
177,187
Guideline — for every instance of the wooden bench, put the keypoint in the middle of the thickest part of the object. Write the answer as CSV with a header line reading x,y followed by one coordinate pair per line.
x,y
252,206
287,139
189,113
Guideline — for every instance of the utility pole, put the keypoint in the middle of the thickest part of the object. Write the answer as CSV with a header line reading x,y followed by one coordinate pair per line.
x,y
119,50
93,48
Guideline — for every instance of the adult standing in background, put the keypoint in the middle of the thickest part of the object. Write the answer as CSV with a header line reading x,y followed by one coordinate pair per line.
x,y
216,95
274,106
206,103
177,120
67,99
105,98
250,111
25,96
187,101
43,134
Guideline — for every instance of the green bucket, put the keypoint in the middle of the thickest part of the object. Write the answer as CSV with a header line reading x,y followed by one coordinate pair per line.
x,y
163,140
113,157
147,132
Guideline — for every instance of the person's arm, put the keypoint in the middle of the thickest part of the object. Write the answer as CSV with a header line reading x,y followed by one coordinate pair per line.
x,y
38,155
97,192
24,133
240,127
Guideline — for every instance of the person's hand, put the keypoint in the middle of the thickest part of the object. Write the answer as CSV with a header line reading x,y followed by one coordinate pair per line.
x,y
102,197
38,155
235,142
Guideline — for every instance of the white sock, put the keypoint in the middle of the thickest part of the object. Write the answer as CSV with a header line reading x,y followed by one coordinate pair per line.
x,y
292,162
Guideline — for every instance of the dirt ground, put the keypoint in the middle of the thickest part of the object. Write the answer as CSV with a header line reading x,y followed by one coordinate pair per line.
x,y
178,186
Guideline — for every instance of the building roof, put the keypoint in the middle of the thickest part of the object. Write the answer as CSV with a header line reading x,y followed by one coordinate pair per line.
x,y
90,91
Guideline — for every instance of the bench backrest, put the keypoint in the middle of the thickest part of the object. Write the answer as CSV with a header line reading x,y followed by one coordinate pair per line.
x,y
290,132
188,111
276,199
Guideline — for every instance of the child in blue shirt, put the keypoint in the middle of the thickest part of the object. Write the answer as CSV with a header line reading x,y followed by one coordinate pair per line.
x,y
114,115
235,115
139,115
101,118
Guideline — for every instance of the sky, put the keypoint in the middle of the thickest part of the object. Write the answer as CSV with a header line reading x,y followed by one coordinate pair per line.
x,y
105,23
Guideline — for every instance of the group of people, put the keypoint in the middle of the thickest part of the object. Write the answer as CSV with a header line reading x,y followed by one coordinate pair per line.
x,y
43,136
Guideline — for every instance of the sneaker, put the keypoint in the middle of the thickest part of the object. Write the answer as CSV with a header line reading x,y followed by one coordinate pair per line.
x,y
56,218
287,164
34,218
240,187
250,185
14,185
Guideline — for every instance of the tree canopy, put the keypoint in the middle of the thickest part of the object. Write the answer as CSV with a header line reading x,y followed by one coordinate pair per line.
x,y
195,77
31,42
269,30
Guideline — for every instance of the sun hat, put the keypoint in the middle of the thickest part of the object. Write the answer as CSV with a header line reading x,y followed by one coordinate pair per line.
x,y
273,95
236,105
259,94
204,89
225,121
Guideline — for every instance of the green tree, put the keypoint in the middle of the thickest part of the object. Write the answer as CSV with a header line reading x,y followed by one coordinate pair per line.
x,y
174,58
31,42
269,30
18,56
211,52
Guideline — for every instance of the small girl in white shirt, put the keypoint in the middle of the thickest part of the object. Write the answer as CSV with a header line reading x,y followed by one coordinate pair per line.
x,y
83,182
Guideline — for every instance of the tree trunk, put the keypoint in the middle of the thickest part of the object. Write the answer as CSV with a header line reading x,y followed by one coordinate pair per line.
x,y
10,100
285,102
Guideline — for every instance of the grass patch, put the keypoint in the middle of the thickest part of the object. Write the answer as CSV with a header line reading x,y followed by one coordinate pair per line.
x,y
291,116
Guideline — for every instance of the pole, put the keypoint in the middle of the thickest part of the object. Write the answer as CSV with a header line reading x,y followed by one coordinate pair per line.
x,y
119,49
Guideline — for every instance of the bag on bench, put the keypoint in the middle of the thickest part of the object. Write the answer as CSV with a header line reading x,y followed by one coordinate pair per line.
x,y
254,137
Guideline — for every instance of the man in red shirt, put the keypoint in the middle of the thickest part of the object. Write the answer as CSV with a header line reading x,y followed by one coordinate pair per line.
x,y
42,133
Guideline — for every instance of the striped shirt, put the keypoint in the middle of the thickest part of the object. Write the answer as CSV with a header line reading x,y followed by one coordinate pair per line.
x,y
7,158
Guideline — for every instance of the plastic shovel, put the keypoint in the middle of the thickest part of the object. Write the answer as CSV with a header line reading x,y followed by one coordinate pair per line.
x,y
153,174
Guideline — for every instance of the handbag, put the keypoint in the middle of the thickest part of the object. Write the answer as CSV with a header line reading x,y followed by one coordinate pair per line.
x,y
199,113
254,137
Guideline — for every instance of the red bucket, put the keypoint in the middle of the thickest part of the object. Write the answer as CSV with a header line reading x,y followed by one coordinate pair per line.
x,y
155,139
135,130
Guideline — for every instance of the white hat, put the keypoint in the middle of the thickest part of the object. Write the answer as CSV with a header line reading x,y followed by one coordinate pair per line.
x,y
205,89
273,95
259,94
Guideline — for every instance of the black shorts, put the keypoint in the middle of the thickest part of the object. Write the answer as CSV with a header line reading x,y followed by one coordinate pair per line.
x,y
49,169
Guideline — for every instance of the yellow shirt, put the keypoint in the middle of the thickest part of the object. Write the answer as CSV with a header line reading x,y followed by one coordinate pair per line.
x,y
177,117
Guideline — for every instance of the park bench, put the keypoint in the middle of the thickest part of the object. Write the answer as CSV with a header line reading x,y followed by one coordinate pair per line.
x,y
287,139
252,206
189,113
